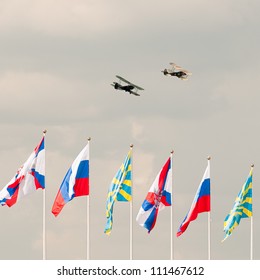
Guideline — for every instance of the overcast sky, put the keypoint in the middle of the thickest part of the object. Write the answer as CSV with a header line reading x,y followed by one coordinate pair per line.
x,y
58,59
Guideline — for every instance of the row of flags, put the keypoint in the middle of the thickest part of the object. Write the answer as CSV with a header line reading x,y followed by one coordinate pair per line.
x,y
31,176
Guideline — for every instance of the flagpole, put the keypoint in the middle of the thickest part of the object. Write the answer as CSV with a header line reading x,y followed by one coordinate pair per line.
x,y
131,210
171,209
43,228
44,217
251,234
209,222
251,240
88,239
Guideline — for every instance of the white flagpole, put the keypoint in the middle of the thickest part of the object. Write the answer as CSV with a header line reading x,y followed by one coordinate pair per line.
x,y
251,234
209,220
131,210
43,228
171,209
88,239
251,240
44,216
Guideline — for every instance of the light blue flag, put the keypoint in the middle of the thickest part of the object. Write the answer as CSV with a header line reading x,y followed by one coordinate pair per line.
x,y
242,207
120,189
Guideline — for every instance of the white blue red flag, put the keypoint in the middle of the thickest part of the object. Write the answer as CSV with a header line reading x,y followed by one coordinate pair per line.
x,y
201,202
157,198
75,182
28,178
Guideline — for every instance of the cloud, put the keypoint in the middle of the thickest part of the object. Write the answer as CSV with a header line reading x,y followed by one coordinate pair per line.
x,y
78,17
137,131
64,17
40,94
58,60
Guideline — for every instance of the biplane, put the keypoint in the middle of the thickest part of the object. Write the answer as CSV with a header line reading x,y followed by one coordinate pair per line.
x,y
127,86
177,71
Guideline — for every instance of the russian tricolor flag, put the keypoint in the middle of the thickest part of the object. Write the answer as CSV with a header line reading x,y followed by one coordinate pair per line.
x,y
201,202
157,198
28,178
75,182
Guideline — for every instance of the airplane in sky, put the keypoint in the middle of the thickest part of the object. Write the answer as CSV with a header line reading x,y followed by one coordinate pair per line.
x,y
126,86
177,71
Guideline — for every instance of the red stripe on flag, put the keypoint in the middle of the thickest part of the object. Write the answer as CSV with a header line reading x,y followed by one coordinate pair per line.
x,y
58,204
81,187
202,205
163,174
11,201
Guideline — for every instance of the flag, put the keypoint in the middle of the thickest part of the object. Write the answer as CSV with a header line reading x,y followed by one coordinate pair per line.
x,y
75,182
242,207
201,202
28,178
157,198
120,189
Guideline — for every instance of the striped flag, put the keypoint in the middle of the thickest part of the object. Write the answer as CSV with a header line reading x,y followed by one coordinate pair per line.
x,y
120,189
29,177
242,207
201,202
75,182
157,198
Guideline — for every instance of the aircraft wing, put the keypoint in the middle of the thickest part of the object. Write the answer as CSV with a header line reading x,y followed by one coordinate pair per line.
x,y
137,87
135,93
187,72
179,68
175,66
124,80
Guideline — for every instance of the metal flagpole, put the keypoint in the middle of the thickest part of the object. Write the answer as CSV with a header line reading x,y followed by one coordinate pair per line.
x,y
209,219
43,228
251,240
44,216
171,209
131,209
88,240
251,234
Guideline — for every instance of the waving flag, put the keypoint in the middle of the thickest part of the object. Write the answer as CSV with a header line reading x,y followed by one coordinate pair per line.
x,y
29,177
201,202
75,182
157,198
120,189
242,207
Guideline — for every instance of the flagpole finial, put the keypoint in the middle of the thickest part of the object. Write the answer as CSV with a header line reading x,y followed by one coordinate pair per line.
x,y
89,138
131,146
252,165
209,158
172,151
44,131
